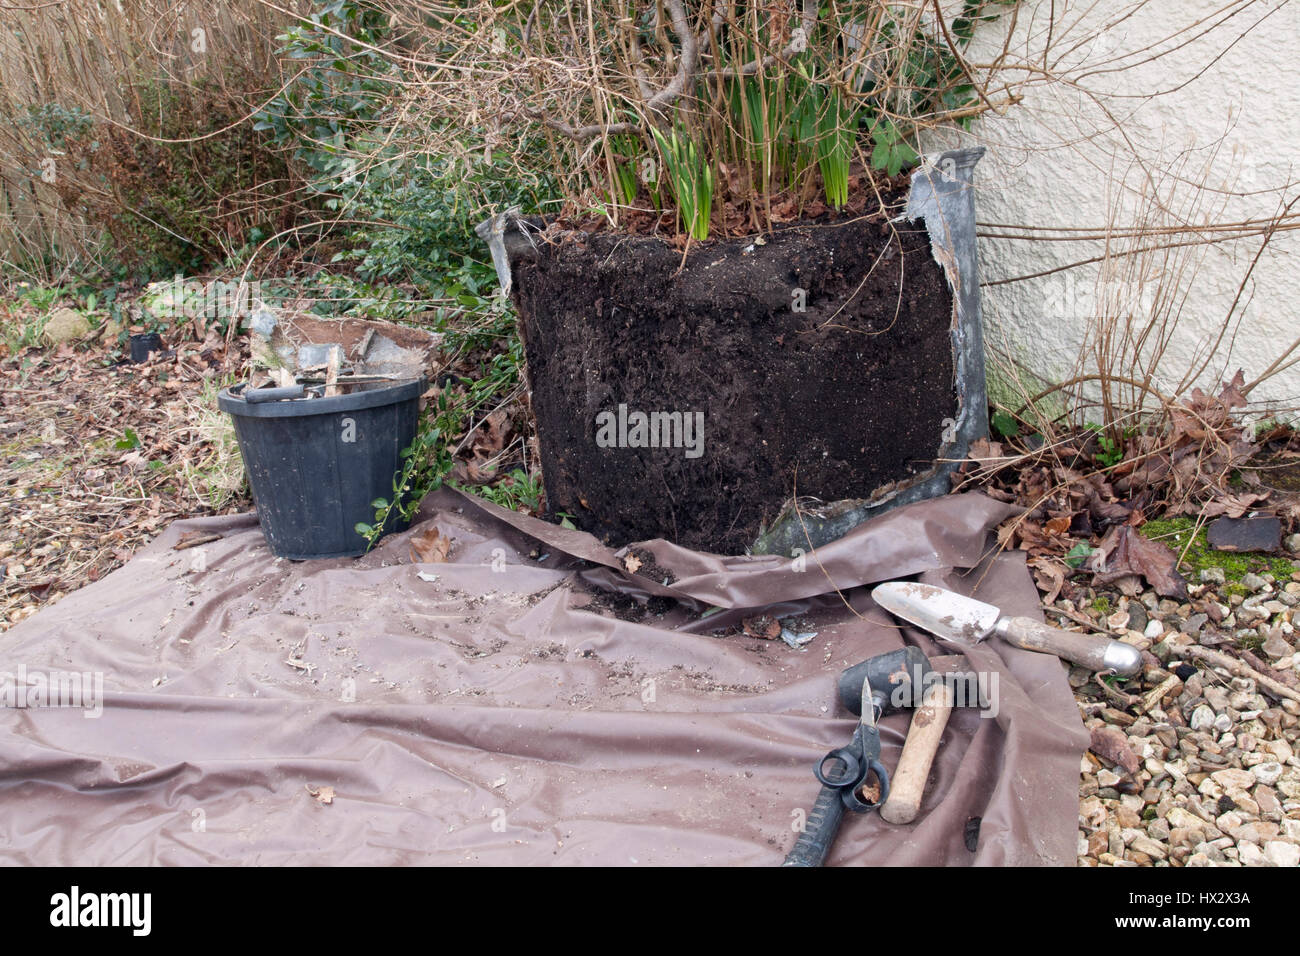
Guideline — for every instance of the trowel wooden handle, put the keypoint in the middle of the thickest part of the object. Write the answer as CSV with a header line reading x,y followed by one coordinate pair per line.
x,y
1087,650
923,738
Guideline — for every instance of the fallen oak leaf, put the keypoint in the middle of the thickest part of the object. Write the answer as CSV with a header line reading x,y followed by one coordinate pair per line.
x,y
984,450
1232,506
632,563
1049,576
429,546
490,439
1058,525
1232,396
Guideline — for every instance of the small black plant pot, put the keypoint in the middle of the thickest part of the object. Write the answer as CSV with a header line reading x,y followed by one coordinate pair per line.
x,y
145,344
316,464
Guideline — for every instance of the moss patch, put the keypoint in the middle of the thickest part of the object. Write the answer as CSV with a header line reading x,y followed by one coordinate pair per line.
x,y
1235,587
1176,532
1250,642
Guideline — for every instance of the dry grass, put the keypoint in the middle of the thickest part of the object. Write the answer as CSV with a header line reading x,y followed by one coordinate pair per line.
x,y
211,467
90,57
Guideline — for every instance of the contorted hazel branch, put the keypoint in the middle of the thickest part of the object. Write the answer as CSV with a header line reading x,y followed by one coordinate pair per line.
x,y
687,64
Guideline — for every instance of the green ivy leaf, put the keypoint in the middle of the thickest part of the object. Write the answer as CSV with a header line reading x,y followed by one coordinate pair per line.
x,y
1004,424
1078,554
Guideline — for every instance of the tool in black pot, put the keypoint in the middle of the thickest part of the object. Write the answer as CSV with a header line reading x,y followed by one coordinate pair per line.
x,y
870,689
256,396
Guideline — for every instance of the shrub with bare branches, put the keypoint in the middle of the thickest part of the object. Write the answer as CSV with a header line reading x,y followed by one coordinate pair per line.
x,y
772,108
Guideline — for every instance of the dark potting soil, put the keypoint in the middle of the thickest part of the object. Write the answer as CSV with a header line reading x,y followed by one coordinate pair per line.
x,y
625,607
648,567
834,401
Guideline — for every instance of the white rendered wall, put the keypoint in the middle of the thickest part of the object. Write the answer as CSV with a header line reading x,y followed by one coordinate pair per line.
x,y
1063,158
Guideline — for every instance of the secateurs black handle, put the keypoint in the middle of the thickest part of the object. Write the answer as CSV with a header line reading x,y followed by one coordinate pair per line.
x,y
819,830
842,773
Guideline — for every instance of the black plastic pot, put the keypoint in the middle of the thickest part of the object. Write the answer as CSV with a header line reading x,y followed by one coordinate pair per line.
x,y
145,344
316,464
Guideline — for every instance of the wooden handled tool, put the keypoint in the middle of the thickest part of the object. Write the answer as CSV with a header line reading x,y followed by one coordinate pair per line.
x,y
964,620
923,736
1087,650
869,689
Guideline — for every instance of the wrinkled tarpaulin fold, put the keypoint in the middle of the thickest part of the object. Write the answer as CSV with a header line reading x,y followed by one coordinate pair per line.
x,y
486,717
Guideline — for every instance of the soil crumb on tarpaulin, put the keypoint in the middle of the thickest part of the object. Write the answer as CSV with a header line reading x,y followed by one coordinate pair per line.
x,y
645,565
839,399
625,607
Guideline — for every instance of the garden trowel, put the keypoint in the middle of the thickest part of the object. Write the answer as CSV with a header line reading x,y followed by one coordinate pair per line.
x,y
964,620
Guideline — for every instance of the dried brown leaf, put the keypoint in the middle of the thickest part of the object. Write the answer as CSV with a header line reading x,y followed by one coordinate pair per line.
x,y
1112,747
763,626
1049,575
1124,551
429,545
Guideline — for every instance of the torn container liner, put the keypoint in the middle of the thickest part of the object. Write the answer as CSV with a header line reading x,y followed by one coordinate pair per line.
x,y
689,394
315,465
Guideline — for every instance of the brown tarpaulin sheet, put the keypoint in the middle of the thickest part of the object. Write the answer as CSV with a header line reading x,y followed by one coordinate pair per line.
x,y
487,717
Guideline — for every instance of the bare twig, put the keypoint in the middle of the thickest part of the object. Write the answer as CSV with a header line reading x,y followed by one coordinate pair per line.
x,y
1236,668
